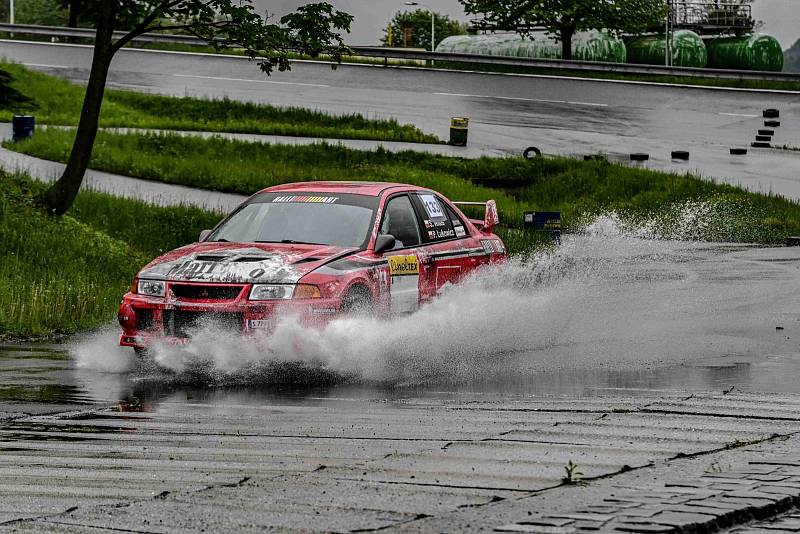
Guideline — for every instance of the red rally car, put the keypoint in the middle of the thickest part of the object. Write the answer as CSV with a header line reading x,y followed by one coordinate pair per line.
x,y
316,250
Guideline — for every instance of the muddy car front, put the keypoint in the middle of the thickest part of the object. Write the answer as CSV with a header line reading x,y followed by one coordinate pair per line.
x,y
234,289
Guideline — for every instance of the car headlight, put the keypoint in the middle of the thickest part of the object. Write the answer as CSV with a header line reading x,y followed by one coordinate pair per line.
x,y
152,288
283,292
271,291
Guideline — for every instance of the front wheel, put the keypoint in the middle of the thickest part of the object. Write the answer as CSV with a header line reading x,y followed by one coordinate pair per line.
x,y
357,302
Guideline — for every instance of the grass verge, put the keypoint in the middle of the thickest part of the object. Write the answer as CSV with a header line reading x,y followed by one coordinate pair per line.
x,y
63,274
57,101
664,205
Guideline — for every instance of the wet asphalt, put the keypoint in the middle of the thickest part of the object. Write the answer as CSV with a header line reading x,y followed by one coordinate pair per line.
x,y
508,113
646,361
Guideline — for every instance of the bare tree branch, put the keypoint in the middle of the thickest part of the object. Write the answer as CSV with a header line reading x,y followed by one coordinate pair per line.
x,y
143,27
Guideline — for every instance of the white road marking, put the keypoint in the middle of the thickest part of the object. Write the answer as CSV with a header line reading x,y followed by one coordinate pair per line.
x,y
47,66
248,80
540,100
738,115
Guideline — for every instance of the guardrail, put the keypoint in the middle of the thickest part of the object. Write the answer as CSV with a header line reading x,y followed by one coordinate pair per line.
x,y
474,59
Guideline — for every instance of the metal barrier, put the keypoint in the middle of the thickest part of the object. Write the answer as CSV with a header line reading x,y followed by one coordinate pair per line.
x,y
438,57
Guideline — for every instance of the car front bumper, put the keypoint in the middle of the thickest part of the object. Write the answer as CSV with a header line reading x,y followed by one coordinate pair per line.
x,y
146,321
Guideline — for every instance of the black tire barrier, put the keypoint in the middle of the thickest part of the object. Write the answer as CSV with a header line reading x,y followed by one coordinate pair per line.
x,y
793,241
771,113
772,124
766,132
766,138
680,154
761,144
738,151
640,156
531,152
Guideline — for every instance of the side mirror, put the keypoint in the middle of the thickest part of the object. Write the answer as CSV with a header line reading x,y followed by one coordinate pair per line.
x,y
203,235
384,242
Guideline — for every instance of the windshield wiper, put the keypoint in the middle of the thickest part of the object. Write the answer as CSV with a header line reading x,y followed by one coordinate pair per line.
x,y
291,242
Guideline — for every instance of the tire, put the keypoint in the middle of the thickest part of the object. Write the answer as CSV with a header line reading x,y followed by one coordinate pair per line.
x,y
766,132
760,144
357,302
680,154
141,353
738,151
531,152
764,138
772,124
640,156
771,113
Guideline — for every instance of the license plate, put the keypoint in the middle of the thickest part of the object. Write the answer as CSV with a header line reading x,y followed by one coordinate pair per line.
x,y
178,341
260,324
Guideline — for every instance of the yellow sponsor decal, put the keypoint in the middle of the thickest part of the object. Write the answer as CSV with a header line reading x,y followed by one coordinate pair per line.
x,y
403,265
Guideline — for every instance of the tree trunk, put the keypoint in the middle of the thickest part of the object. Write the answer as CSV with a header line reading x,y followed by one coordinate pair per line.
x,y
566,43
59,197
74,12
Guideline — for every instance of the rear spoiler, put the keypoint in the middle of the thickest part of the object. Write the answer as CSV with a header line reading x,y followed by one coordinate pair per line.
x,y
490,217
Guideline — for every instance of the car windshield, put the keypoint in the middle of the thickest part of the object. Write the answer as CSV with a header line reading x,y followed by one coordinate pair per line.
x,y
315,218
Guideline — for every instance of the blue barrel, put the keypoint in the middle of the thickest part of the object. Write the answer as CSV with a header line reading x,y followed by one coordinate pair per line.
x,y
23,126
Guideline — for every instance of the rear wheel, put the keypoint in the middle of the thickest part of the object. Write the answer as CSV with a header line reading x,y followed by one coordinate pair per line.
x,y
357,302
141,352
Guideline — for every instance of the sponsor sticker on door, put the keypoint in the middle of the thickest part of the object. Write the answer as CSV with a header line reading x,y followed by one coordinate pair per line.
x,y
403,265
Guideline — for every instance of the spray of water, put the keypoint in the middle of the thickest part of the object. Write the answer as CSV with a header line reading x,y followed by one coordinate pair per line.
x,y
568,307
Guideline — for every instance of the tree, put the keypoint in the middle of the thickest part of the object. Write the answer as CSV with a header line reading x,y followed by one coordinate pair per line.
x,y
313,29
420,23
42,12
564,18
791,61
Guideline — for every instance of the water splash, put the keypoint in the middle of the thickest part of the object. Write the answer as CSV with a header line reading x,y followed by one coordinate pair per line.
x,y
605,299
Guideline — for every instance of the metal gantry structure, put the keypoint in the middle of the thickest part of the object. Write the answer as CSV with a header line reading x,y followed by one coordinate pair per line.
x,y
712,18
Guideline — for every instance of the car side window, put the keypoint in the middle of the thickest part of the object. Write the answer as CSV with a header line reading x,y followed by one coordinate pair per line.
x,y
455,220
437,218
400,221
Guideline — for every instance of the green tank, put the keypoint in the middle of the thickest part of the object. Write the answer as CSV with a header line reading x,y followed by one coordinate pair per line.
x,y
757,51
587,46
688,50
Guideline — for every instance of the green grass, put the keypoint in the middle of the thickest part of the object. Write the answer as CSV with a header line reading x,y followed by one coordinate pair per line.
x,y
58,102
63,274
668,205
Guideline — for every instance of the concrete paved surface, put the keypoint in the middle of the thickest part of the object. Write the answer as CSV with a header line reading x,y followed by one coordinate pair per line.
x,y
508,113
327,462
157,193
357,144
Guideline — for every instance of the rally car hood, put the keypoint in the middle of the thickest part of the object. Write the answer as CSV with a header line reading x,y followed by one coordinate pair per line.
x,y
256,263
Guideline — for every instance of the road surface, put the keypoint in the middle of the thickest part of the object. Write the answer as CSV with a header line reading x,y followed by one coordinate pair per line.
x,y
507,112
665,371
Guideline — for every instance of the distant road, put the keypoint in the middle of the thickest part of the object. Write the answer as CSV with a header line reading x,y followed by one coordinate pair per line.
x,y
508,112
